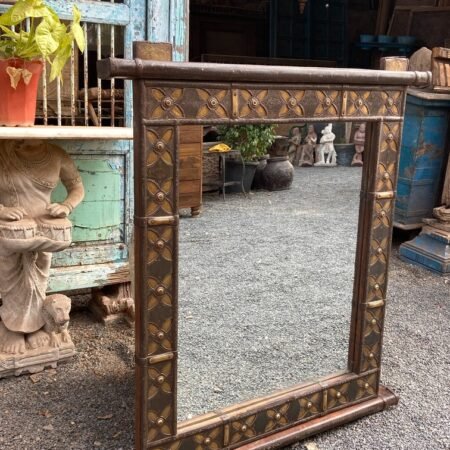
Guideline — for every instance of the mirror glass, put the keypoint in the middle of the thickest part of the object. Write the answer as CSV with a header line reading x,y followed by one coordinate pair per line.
x,y
266,282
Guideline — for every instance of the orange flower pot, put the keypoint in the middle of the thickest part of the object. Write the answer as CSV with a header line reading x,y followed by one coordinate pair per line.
x,y
19,81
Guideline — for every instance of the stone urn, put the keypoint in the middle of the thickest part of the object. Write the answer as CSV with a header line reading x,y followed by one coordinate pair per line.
x,y
279,172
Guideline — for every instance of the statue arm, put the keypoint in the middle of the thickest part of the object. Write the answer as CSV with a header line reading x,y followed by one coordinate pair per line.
x,y
70,178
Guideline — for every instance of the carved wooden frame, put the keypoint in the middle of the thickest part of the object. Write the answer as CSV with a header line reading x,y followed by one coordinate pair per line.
x,y
167,95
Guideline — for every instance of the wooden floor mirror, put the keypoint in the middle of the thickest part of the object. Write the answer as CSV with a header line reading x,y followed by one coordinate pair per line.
x,y
169,95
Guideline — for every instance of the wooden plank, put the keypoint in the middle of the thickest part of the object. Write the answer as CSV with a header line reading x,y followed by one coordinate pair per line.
x,y
158,21
98,12
54,132
91,254
81,277
179,28
191,134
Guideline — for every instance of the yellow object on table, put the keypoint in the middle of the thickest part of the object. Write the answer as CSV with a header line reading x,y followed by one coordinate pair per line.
x,y
220,148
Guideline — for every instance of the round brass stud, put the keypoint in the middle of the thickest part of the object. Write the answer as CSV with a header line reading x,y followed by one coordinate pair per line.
x,y
277,416
371,355
160,196
383,213
213,102
159,146
373,321
160,422
161,379
366,386
359,103
160,335
390,101
386,175
377,286
379,250
167,102
390,137
292,102
338,394
254,102
244,428
207,441
160,290
309,405
328,101
160,244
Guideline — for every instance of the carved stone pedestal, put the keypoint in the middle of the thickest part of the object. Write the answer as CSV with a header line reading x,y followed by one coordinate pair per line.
x,y
33,361
113,303
431,249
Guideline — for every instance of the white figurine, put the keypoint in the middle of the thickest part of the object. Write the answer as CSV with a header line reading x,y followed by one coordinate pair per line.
x,y
326,147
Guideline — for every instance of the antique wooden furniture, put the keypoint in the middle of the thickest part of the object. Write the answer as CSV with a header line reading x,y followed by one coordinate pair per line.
x,y
251,94
191,168
423,157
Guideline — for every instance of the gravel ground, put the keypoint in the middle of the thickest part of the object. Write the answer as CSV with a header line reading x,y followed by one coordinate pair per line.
x,y
257,293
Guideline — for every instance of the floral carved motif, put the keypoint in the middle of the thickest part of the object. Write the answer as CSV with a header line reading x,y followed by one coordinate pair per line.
x,y
327,103
158,380
160,245
253,103
213,104
160,337
160,197
291,103
309,406
371,356
376,287
242,430
159,426
378,251
367,386
338,396
277,417
167,103
160,147
383,212
385,177
209,440
391,133
159,291
373,321
392,103
358,103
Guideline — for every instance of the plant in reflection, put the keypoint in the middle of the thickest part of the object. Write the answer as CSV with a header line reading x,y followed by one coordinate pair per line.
x,y
251,140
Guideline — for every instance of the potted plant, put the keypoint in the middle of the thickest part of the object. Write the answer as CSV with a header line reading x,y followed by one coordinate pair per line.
x,y
31,33
252,141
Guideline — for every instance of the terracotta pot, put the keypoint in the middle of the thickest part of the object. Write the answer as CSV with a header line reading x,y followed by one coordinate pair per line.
x,y
278,174
18,106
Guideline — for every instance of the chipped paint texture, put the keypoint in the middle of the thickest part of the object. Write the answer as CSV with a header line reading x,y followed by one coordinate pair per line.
x,y
168,21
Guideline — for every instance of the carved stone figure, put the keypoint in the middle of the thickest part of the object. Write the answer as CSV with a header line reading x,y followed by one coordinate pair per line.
x,y
31,228
326,147
295,142
308,147
359,140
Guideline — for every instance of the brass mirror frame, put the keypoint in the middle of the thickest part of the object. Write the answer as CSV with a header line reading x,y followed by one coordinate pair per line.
x,y
168,95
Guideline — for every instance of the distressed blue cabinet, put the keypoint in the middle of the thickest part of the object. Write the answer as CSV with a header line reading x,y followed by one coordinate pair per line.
x,y
99,254
423,157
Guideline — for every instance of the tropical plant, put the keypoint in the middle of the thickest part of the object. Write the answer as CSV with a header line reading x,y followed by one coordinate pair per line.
x,y
30,29
251,140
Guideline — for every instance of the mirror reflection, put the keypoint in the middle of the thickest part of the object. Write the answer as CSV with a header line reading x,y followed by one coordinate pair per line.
x,y
266,278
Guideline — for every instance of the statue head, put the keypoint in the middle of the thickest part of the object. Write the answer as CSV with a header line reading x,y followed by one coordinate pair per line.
x,y
362,128
311,129
328,129
295,131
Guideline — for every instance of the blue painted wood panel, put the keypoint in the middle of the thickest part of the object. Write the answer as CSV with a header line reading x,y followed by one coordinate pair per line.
x,y
422,159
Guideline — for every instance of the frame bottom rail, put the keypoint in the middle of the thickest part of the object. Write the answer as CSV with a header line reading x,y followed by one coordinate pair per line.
x,y
386,398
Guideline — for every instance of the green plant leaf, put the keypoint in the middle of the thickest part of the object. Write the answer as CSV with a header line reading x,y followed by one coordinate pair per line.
x,y
76,29
47,37
61,58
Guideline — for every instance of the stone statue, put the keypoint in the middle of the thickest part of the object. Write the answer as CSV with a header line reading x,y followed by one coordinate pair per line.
x,y
295,142
31,228
308,147
326,147
359,140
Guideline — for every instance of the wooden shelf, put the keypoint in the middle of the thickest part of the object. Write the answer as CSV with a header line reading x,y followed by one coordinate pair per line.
x,y
76,133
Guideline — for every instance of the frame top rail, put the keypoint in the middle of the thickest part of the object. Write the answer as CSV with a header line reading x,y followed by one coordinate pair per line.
x,y
210,72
